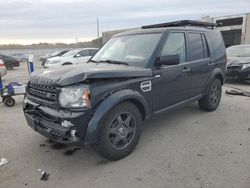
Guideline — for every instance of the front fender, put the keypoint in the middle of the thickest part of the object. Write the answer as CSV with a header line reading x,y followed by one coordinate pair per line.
x,y
108,104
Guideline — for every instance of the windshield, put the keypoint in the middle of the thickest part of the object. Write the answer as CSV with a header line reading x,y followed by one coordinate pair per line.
x,y
55,53
135,50
238,51
70,53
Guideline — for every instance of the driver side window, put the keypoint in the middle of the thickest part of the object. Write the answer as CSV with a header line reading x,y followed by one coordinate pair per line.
x,y
82,53
175,45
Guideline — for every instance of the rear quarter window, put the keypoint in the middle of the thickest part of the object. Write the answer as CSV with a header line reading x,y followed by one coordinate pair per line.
x,y
196,49
216,44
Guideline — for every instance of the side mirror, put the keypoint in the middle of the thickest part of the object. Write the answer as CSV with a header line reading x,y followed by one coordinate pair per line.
x,y
168,60
77,55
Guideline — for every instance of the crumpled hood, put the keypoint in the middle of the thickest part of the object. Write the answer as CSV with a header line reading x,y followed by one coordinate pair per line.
x,y
72,74
237,60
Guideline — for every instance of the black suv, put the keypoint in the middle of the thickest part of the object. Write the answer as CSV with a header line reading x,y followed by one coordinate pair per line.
x,y
135,75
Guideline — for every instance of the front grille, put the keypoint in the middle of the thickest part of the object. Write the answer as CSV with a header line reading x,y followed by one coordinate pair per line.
x,y
43,91
238,67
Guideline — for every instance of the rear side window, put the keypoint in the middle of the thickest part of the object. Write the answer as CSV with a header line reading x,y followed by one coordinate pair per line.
x,y
216,44
84,53
196,49
175,45
92,52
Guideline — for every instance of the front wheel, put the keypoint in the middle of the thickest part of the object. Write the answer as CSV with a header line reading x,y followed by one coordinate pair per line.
x,y
9,67
211,100
120,131
68,63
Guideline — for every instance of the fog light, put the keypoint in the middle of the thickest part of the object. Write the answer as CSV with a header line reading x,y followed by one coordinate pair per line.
x,y
73,132
73,135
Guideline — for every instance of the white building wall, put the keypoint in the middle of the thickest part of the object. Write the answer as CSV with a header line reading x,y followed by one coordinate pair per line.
x,y
247,30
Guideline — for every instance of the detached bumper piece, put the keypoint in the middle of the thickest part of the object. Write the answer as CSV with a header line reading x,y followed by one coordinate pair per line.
x,y
61,126
238,92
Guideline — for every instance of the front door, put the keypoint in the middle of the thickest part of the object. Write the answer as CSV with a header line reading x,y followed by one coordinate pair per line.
x,y
172,83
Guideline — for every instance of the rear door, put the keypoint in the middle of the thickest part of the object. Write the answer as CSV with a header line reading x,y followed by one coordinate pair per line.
x,y
199,60
172,83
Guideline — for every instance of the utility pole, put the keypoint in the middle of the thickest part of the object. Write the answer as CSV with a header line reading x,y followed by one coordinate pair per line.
x,y
97,25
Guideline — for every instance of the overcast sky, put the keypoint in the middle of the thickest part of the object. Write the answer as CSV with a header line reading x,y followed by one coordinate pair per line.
x,y
32,21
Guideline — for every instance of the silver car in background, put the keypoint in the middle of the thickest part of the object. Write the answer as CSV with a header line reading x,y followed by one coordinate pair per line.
x,y
238,62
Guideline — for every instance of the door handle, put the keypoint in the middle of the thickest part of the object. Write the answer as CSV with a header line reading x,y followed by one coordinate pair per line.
x,y
186,69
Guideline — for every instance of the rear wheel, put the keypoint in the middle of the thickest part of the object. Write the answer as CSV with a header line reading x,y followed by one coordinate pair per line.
x,y
120,131
9,101
211,100
9,67
24,60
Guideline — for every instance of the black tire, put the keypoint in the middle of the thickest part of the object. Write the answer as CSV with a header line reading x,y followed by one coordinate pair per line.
x,y
9,67
24,60
9,101
111,131
68,63
211,100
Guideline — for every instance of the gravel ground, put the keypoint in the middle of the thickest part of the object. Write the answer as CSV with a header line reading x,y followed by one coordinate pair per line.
x,y
181,149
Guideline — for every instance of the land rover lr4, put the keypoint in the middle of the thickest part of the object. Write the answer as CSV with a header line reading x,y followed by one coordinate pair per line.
x,y
134,75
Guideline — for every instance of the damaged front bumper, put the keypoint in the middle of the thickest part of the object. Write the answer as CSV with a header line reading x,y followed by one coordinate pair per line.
x,y
66,126
238,73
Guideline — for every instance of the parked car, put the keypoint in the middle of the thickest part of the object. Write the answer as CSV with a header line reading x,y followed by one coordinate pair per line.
x,y
50,55
75,56
135,75
9,61
238,65
44,58
20,57
3,70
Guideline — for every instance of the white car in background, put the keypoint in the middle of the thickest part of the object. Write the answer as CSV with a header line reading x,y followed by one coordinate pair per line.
x,y
3,70
72,57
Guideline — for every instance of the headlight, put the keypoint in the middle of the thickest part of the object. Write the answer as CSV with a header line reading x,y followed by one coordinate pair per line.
x,y
74,97
53,62
245,66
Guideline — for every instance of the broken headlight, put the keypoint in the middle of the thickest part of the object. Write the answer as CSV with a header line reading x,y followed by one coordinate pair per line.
x,y
74,97
245,66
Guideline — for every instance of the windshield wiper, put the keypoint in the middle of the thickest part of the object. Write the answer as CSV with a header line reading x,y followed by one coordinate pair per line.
x,y
114,62
94,61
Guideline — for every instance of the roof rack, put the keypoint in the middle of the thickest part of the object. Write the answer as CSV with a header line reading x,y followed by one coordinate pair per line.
x,y
182,23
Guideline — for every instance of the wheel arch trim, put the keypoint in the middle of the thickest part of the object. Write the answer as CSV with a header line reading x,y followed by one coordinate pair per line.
x,y
106,105
217,73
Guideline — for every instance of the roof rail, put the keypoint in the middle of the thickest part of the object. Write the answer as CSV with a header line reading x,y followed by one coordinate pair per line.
x,y
181,23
